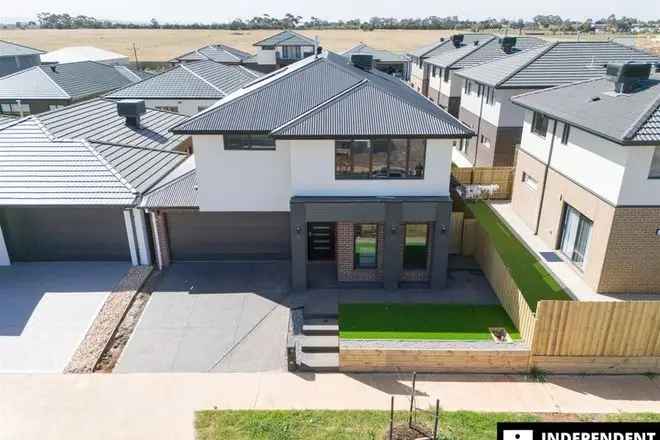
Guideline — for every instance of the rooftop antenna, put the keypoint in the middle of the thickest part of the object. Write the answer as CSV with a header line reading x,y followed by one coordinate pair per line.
x,y
316,46
137,63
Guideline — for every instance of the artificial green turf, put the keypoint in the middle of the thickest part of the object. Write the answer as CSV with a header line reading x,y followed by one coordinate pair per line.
x,y
365,425
442,322
534,282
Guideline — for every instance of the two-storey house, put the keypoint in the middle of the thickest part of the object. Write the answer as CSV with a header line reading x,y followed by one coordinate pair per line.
x,y
588,176
487,90
321,161
389,62
445,88
420,73
283,48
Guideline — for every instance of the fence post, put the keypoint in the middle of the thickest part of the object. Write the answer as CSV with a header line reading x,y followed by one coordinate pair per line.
x,y
437,418
412,399
391,417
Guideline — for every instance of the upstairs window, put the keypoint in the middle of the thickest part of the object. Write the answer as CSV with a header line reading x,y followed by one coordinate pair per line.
x,y
490,95
540,124
434,71
291,52
566,132
654,173
380,159
249,142
446,76
168,108
15,109
468,87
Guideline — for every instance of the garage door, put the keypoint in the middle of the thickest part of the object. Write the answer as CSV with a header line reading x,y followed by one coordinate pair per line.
x,y
65,234
228,236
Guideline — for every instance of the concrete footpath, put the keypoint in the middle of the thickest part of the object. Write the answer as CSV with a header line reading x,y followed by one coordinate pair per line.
x,y
162,406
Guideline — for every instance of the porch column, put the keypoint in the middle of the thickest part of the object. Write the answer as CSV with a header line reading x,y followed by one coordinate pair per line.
x,y
392,257
141,237
4,252
298,231
440,257
130,235
161,239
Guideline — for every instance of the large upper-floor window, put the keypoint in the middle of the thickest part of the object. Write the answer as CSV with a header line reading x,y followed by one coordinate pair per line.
x,y
654,172
249,142
445,77
291,52
540,124
380,159
15,109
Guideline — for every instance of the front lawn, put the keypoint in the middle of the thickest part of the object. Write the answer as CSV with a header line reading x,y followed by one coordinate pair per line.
x,y
534,282
366,425
443,322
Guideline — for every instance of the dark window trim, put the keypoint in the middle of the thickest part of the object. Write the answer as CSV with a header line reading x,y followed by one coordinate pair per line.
x,y
445,76
535,118
357,227
565,134
427,245
249,147
371,156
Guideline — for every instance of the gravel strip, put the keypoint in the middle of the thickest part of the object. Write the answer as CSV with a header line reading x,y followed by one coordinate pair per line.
x,y
431,345
109,317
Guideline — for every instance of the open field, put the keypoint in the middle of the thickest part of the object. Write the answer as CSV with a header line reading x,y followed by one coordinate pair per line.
x,y
164,44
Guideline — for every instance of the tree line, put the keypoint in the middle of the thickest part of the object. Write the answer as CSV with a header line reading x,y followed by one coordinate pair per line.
x,y
553,23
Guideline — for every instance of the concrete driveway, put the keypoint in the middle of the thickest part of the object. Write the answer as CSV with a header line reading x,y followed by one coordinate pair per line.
x,y
212,316
46,309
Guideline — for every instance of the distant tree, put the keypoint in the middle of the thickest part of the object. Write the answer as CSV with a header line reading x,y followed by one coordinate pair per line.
x,y
154,23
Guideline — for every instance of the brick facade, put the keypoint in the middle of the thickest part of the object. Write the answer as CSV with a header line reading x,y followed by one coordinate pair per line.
x,y
346,271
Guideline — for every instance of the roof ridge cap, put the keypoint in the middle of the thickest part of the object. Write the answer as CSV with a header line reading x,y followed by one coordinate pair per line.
x,y
248,71
135,147
559,86
105,97
157,187
632,131
107,165
545,50
53,81
43,127
206,81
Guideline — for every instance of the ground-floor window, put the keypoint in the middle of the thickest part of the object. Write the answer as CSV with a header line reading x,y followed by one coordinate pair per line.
x,y
416,244
576,231
366,246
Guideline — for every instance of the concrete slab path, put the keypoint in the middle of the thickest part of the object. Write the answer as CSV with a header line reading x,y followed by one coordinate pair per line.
x,y
162,406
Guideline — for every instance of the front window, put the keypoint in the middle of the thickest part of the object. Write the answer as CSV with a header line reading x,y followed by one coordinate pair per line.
x,y
576,231
291,52
366,246
15,109
468,87
654,173
416,243
380,159
540,124
249,142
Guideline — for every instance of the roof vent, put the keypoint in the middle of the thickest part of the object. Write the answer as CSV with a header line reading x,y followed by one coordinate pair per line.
x,y
362,61
319,50
476,42
508,43
53,68
627,76
457,39
131,109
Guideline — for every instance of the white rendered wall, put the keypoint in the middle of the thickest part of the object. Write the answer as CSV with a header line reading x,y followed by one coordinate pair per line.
x,y
241,180
187,107
313,173
268,57
501,113
4,252
637,188
451,87
435,82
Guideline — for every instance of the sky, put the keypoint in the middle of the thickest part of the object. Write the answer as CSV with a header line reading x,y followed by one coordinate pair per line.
x,y
223,10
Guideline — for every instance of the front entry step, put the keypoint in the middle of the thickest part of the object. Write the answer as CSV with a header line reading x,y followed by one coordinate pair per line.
x,y
320,344
321,326
320,362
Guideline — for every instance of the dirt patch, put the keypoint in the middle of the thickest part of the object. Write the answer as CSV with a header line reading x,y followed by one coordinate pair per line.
x,y
403,432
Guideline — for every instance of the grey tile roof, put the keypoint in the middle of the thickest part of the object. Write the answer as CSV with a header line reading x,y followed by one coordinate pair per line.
x,y
445,45
64,81
487,50
44,163
177,190
628,119
220,53
195,80
5,120
381,55
286,38
306,96
9,49
557,63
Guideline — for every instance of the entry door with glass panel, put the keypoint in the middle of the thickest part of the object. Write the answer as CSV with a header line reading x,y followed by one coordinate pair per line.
x,y
321,241
576,231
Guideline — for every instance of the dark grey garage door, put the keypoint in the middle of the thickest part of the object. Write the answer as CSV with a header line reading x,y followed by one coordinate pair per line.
x,y
65,234
228,236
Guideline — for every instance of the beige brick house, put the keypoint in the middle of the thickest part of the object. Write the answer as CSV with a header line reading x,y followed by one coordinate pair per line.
x,y
588,176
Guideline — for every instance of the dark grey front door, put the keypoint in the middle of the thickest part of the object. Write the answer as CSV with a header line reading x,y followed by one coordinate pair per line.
x,y
321,241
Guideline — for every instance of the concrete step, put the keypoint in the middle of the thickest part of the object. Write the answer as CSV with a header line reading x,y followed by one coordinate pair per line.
x,y
320,344
320,326
320,362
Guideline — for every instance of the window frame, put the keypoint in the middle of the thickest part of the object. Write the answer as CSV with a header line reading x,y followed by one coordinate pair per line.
x,y
168,108
535,118
654,171
250,145
581,220
445,75
530,181
356,261
370,174
427,243
565,134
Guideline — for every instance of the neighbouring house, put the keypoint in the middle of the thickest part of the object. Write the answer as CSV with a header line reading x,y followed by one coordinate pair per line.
x,y
588,176
338,169
445,88
72,178
48,87
15,57
75,54
384,60
220,53
189,87
487,89
420,74
283,49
